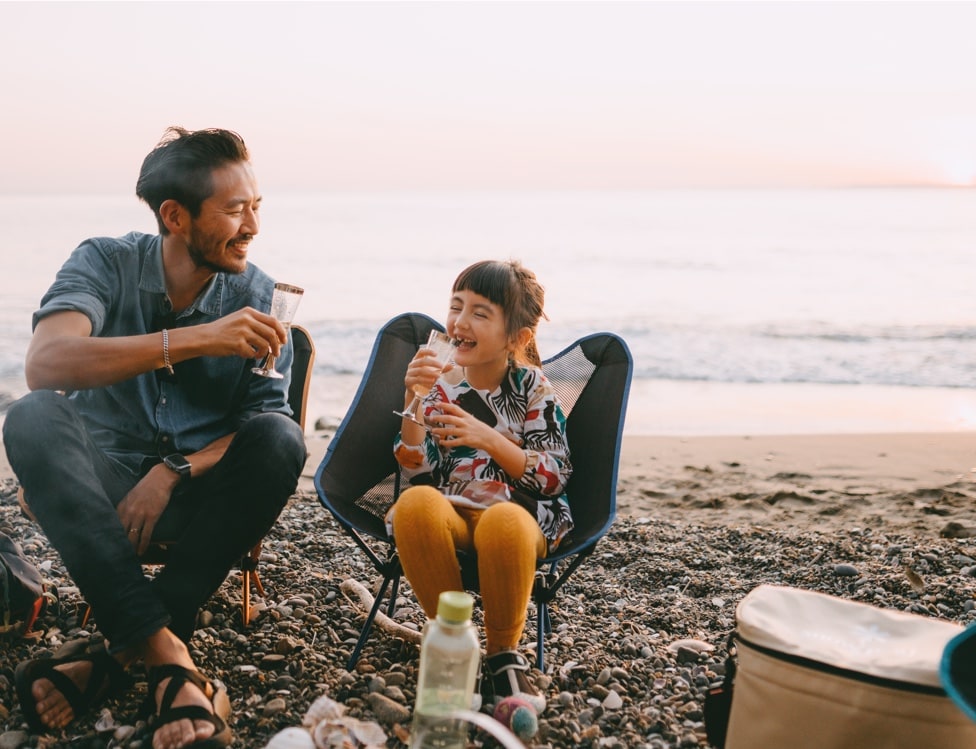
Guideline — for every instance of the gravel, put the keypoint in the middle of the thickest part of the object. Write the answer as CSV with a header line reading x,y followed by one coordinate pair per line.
x,y
639,631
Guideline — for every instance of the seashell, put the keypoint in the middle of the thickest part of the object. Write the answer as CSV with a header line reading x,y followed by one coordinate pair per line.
x,y
915,580
323,709
368,733
291,738
695,645
105,723
328,735
122,734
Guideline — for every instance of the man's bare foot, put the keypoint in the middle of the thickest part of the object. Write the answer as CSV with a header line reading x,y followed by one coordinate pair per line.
x,y
186,702
53,708
185,732
53,692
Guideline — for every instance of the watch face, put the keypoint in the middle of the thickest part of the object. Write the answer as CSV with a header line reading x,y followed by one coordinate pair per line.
x,y
178,463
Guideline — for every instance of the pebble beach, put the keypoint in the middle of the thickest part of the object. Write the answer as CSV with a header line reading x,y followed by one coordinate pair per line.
x,y
640,630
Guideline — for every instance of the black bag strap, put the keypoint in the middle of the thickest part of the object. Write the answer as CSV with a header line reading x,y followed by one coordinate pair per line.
x,y
718,700
22,596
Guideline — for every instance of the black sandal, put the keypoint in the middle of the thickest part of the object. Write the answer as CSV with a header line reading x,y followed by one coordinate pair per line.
x,y
106,679
212,690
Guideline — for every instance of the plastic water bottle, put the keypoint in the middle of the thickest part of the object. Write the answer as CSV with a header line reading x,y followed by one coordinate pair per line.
x,y
449,656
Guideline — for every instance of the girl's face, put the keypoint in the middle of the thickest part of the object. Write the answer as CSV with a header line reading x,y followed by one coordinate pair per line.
x,y
478,327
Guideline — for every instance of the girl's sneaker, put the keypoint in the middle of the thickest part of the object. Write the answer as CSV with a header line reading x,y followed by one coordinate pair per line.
x,y
508,675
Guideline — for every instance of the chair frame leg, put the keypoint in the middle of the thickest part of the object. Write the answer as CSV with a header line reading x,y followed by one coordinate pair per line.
x,y
249,576
368,624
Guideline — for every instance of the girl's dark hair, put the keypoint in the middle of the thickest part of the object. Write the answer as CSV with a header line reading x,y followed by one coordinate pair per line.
x,y
181,166
514,288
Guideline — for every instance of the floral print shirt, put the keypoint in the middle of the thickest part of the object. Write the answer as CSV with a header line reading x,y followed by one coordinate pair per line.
x,y
524,408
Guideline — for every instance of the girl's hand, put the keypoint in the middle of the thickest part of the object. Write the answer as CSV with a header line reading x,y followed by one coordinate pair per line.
x,y
455,427
423,371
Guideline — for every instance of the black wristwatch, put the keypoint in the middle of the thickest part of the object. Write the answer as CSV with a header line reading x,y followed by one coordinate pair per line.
x,y
179,465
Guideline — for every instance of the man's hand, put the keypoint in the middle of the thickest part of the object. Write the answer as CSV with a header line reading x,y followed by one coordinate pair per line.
x,y
247,333
142,507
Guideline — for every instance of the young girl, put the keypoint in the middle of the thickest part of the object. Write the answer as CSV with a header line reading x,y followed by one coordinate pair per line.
x,y
489,474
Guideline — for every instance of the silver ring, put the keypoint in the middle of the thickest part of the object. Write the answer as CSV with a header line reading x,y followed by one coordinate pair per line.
x,y
133,530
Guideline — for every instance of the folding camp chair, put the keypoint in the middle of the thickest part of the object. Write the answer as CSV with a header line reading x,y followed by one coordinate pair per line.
x,y
359,479
301,376
302,362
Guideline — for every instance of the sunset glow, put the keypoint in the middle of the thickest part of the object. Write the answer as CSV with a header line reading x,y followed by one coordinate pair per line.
x,y
471,95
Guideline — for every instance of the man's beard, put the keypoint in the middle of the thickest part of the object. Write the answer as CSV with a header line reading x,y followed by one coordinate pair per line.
x,y
200,259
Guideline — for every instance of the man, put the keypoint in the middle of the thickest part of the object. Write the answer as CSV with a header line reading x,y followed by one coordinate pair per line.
x,y
165,432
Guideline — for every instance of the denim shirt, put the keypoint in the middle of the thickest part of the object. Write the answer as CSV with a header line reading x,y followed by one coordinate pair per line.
x,y
118,284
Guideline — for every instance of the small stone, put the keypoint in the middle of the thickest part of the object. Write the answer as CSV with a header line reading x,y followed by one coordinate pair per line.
x,y
286,645
13,739
273,662
386,710
274,707
845,570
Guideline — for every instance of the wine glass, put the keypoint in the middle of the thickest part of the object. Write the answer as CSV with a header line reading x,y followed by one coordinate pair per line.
x,y
443,347
284,303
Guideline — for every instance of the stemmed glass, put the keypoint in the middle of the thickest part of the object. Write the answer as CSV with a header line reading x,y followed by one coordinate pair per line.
x,y
443,347
284,304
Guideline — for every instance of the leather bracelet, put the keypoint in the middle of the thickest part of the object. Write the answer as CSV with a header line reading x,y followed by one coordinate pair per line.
x,y
166,362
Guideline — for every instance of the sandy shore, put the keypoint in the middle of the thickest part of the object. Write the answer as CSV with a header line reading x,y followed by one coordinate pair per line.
x,y
912,482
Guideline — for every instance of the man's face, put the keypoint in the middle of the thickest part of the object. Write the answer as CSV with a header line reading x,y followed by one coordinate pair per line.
x,y
228,221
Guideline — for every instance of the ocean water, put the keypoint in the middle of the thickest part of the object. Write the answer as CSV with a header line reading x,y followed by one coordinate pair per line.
x,y
746,311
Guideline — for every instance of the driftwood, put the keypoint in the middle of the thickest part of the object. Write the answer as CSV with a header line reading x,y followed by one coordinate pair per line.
x,y
385,623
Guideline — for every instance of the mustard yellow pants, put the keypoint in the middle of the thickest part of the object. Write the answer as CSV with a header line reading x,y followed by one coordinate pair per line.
x,y
429,531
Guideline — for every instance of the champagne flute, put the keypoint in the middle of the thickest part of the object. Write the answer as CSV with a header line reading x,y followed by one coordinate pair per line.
x,y
284,304
443,347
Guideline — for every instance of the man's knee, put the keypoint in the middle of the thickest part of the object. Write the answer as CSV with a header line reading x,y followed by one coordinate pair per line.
x,y
27,416
34,426
275,432
276,443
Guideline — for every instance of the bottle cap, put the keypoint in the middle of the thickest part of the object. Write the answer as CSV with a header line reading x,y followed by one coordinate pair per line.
x,y
454,606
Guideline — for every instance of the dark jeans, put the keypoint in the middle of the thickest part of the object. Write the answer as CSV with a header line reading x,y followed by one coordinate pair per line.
x,y
72,488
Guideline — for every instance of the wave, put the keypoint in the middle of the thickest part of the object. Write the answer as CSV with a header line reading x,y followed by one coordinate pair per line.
x,y
941,356
914,356
879,333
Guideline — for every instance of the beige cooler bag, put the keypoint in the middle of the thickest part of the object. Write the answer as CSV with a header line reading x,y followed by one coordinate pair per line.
x,y
819,672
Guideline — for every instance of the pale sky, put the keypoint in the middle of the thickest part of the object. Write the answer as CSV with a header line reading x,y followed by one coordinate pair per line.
x,y
471,95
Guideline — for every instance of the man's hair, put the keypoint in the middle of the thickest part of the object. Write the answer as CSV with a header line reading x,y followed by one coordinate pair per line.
x,y
181,166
